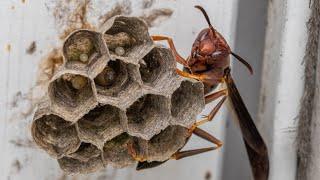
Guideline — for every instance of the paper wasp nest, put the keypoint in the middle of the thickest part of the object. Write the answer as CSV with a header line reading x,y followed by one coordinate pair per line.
x,y
115,87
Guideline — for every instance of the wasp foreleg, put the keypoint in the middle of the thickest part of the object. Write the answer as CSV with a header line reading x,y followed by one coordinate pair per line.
x,y
200,77
179,59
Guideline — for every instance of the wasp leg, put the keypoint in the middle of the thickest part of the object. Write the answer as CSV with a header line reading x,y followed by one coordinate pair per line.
x,y
204,135
179,59
211,97
208,117
200,77
182,154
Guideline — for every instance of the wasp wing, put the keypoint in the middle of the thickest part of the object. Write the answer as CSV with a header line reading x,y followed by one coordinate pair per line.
x,y
256,148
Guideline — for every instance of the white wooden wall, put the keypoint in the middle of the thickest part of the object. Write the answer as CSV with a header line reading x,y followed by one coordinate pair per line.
x,y
31,20
282,85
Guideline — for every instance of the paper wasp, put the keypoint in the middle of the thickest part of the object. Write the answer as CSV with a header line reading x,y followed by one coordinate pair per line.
x,y
209,62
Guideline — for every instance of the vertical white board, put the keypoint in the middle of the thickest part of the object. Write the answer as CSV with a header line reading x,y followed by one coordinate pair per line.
x,y
282,83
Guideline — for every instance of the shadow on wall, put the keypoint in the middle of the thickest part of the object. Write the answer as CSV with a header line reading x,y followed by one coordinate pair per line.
x,y
249,43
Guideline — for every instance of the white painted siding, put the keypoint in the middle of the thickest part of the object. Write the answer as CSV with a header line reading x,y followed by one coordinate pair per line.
x,y
282,83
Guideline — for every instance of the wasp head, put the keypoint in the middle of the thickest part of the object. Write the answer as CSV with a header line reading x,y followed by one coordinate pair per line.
x,y
209,49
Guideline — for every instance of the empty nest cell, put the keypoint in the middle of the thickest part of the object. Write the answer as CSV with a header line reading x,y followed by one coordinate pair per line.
x,y
151,66
128,37
113,79
55,135
70,90
101,124
83,48
156,66
115,151
86,159
148,115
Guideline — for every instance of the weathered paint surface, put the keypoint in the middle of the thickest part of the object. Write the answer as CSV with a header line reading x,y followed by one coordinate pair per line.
x,y
282,83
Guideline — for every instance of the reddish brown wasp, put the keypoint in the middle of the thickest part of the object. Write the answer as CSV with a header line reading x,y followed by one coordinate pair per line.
x,y
209,62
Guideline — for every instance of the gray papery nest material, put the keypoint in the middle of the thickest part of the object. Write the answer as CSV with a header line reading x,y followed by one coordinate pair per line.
x,y
114,87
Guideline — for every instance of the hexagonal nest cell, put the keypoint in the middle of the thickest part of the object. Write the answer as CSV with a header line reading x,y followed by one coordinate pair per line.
x,y
101,124
112,79
85,152
148,115
151,66
83,48
156,67
55,135
132,36
187,102
167,142
86,159
71,93
115,151
103,109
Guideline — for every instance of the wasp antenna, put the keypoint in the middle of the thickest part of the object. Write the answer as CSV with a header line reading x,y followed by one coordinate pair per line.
x,y
204,13
243,62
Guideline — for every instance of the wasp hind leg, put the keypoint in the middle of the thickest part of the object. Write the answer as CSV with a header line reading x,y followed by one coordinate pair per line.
x,y
183,154
204,135
201,133
193,130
